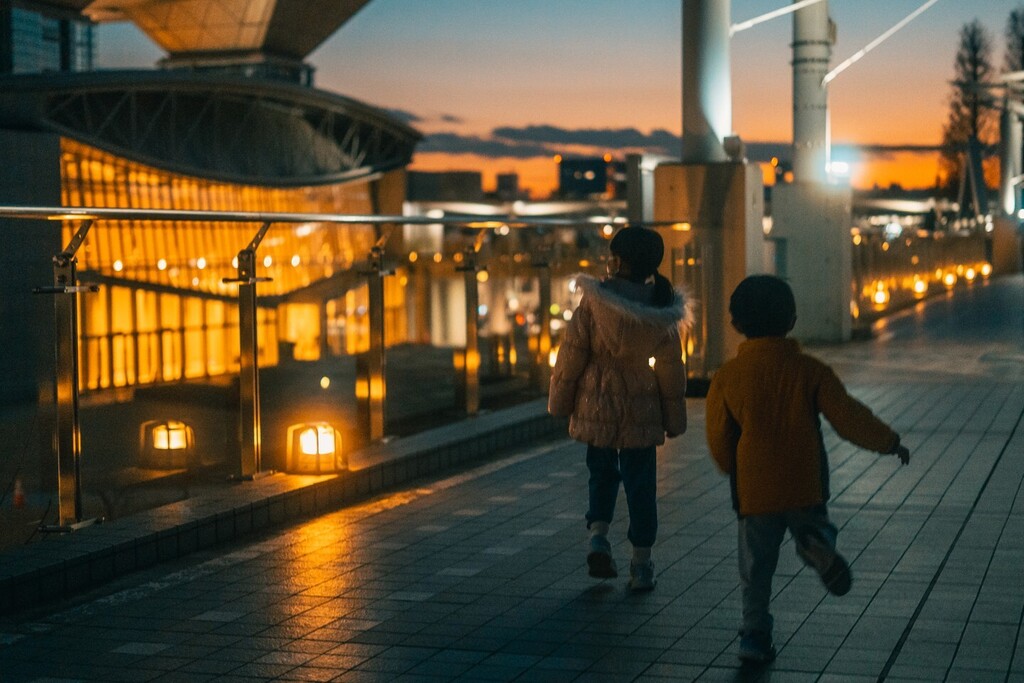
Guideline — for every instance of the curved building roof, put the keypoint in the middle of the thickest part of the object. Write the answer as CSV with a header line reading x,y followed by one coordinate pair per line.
x,y
284,28
217,126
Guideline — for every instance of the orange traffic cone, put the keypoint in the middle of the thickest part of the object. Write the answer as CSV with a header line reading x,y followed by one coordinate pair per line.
x,y
19,494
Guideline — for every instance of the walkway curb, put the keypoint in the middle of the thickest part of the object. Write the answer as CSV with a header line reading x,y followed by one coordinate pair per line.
x,y
62,566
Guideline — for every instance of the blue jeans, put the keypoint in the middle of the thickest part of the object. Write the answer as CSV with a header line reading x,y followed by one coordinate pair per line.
x,y
637,469
759,538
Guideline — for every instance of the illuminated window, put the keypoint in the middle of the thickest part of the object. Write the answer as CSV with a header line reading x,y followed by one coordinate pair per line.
x,y
151,324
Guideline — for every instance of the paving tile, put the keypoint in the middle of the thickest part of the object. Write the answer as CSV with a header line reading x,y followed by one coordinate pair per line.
x,y
481,575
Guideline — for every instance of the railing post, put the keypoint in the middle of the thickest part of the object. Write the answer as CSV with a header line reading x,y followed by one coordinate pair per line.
x,y
250,430
68,442
468,387
371,390
542,361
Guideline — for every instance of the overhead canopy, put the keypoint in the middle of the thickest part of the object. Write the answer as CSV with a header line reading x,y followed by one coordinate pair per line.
x,y
240,130
278,28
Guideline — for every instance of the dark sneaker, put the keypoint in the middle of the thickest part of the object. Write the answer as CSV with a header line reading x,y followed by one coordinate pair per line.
x,y
600,562
641,577
756,647
823,558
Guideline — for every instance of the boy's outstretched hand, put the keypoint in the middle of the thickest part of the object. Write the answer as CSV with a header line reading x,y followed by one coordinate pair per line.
x,y
903,453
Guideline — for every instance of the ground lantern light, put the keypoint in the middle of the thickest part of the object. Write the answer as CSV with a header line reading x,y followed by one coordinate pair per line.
x,y
315,448
166,444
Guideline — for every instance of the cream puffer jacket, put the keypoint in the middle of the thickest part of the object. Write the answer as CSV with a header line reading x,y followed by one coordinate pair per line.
x,y
604,378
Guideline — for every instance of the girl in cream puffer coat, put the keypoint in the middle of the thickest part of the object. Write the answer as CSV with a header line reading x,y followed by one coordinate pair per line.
x,y
620,379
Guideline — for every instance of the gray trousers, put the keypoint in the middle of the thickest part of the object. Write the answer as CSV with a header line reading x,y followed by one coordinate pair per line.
x,y
759,538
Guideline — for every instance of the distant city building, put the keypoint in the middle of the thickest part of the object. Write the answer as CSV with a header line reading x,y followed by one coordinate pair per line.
x,y
507,187
591,178
445,186
33,42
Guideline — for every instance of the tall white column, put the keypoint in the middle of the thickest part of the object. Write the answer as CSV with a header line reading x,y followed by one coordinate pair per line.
x,y
1010,158
812,49
707,94
1007,256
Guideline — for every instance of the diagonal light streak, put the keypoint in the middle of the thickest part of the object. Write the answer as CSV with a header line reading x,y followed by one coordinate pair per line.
x,y
750,23
875,43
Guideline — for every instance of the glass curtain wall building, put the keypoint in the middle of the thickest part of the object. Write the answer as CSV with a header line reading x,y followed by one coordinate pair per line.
x,y
163,311
217,126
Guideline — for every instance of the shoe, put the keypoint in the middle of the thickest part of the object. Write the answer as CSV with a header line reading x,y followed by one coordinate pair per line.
x,y
756,647
641,577
830,565
600,562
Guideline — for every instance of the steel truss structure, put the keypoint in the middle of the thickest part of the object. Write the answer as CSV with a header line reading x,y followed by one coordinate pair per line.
x,y
216,126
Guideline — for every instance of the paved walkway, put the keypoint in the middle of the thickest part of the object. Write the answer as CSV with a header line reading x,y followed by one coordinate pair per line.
x,y
481,576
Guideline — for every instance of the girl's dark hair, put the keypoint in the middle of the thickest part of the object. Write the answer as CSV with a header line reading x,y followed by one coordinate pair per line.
x,y
763,306
642,250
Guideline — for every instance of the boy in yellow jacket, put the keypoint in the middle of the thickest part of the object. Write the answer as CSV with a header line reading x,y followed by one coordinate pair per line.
x,y
764,431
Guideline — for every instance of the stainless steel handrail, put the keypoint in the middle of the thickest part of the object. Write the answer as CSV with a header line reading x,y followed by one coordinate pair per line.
x,y
68,441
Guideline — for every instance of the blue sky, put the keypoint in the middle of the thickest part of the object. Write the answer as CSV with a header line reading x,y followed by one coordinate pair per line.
x,y
465,68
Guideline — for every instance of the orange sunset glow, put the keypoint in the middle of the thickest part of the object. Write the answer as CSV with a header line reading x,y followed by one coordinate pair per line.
x,y
539,176
477,79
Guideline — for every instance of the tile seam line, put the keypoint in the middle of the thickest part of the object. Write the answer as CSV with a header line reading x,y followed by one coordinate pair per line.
x,y
894,655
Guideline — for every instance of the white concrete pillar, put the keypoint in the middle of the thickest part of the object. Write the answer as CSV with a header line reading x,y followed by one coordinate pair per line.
x,y
1010,147
813,36
707,84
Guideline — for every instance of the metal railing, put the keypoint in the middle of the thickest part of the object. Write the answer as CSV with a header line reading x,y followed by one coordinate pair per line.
x,y
67,288
891,271
885,272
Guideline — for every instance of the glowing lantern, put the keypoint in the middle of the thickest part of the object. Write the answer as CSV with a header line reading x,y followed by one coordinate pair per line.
x,y
315,448
881,296
165,444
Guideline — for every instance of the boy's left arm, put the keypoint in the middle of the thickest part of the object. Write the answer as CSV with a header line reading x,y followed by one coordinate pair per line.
x,y
853,420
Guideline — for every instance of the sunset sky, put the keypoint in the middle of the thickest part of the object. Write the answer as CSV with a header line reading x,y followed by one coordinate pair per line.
x,y
501,86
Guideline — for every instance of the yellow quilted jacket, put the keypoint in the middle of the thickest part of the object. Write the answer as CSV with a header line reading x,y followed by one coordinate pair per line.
x,y
764,430
604,379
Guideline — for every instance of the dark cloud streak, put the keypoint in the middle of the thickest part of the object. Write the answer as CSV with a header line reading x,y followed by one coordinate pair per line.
x,y
453,143
545,140
660,141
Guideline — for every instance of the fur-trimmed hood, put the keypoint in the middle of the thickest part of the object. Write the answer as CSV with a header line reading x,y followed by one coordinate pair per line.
x,y
630,299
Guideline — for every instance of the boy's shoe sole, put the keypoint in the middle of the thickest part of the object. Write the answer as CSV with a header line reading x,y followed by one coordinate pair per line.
x,y
601,565
830,565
